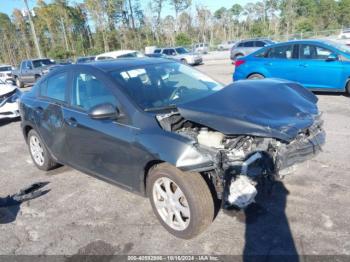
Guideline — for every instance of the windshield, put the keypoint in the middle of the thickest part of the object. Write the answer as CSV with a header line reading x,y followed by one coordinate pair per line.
x,y
165,85
5,68
343,48
181,50
42,62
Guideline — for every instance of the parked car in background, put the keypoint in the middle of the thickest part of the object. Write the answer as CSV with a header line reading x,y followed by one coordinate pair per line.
x,y
344,34
319,65
166,131
9,96
181,54
6,73
246,47
157,55
31,70
118,54
227,45
201,48
85,59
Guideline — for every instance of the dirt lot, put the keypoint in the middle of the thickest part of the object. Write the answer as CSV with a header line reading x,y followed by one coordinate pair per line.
x,y
306,214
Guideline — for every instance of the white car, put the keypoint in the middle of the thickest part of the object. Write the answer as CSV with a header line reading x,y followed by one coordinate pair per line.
x,y
9,96
5,72
118,54
344,34
226,45
200,48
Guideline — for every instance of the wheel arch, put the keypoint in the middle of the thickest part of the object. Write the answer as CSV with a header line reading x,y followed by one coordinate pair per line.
x,y
147,168
26,130
255,73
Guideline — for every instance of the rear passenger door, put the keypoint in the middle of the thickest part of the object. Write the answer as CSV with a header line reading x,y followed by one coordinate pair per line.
x,y
280,62
314,71
49,114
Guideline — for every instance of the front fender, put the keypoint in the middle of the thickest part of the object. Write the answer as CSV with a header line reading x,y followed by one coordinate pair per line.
x,y
174,149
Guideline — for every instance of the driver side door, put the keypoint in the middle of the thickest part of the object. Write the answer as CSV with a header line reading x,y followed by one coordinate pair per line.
x,y
102,147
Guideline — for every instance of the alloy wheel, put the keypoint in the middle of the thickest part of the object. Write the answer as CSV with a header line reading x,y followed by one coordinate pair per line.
x,y
37,150
171,203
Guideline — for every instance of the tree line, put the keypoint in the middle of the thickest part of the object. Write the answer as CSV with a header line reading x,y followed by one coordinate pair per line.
x,y
65,30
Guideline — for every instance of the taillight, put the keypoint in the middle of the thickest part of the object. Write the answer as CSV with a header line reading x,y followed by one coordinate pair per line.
x,y
239,62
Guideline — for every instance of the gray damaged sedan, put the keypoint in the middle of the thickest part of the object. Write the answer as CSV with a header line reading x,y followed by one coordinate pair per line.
x,y
166,131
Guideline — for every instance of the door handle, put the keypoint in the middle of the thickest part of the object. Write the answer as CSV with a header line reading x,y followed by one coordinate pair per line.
x,y
268,64
72,122
303,65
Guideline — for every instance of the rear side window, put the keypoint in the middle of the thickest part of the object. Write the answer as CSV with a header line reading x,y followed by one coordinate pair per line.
x,y
169,51
134,54
56,87
281,52
260,43
104,58
313,52
157,51
88,92
249,44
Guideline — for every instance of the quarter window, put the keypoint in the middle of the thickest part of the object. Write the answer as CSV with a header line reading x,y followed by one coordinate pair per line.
x,y
56,86
314,52
88,92
281,52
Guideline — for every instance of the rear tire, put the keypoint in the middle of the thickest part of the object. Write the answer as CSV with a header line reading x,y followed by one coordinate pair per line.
x,y
39,153
19,83
181,201
256,76
347,89
184,61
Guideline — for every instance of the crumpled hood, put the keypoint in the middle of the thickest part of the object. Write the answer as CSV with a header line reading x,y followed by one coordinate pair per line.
x,y
268,108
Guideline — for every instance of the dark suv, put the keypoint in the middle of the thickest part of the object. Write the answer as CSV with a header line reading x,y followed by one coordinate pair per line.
x,y
246,47
166,131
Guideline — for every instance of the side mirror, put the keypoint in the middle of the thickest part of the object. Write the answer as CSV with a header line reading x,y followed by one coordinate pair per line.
x,y
104,111
332,57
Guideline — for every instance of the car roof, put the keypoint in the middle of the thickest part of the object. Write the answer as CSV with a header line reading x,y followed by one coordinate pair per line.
x,y
3,65
117,53
120,63
305,41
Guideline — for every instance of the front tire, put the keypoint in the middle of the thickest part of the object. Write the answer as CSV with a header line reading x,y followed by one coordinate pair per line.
x,y
184,61
181,201
39,153
347,88
19,83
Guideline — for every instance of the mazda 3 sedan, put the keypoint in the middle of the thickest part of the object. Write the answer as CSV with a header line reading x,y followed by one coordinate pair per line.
x,y
166,131
318,65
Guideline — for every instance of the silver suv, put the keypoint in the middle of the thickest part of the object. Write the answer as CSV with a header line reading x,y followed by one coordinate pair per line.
x,y
246,47
181,54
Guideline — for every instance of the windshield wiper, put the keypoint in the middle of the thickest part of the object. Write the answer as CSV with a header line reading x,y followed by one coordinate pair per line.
x,y
160,108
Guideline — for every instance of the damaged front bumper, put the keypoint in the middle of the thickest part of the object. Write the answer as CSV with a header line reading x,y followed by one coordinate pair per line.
x,y
241,191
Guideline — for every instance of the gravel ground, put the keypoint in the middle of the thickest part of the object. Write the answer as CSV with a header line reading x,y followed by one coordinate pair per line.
x,y
306,213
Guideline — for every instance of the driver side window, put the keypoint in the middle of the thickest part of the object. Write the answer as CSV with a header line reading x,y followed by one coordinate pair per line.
x,y
88,92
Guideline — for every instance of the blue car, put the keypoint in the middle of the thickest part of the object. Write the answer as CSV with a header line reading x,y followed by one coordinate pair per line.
x,y
320,65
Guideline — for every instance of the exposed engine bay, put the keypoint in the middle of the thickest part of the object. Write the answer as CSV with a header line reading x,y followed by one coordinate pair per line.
x,y
240,161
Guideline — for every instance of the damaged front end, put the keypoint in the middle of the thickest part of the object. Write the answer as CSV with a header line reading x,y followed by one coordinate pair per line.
x,y
235,163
